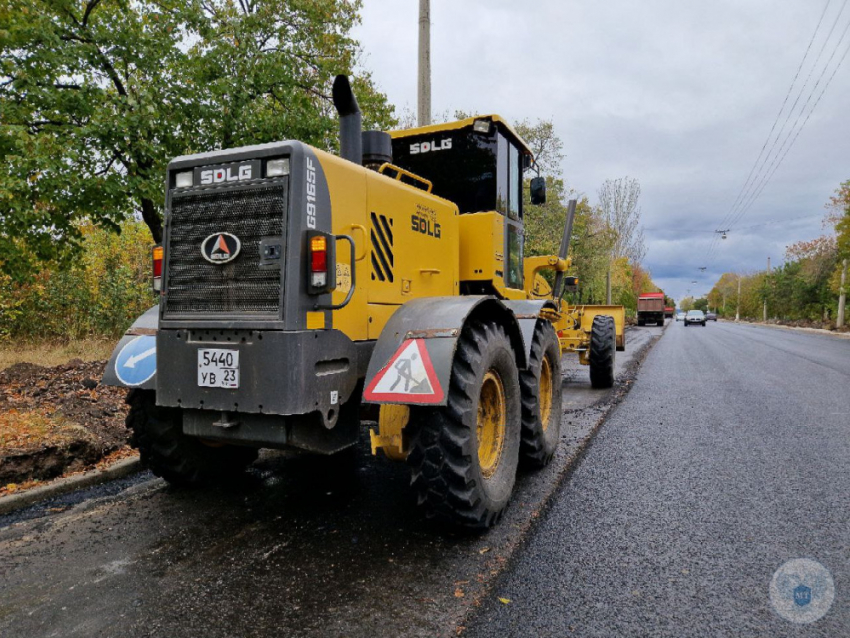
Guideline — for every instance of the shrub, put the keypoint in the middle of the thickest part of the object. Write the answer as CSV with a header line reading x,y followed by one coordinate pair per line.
x,y
98,295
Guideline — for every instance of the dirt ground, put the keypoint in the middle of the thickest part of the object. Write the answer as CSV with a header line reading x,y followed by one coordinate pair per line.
x,y
57,420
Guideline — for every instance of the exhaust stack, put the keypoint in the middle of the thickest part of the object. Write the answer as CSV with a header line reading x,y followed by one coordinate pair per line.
x,y
350,120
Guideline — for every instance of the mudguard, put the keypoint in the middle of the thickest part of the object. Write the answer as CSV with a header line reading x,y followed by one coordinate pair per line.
x,y
412,360
133,361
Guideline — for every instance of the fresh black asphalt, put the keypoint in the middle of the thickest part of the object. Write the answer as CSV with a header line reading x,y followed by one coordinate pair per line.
x,y
291,550
729,457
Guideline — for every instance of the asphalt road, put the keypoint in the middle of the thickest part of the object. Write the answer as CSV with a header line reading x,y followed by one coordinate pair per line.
x,y
289,551
729,457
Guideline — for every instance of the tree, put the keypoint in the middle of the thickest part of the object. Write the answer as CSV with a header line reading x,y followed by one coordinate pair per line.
x,y
544,224
97,96
724,294
618,201
839,206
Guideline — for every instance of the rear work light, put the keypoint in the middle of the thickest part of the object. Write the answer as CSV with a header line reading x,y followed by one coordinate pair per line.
x,y
481,126
184,180
157,268
277,167
321,262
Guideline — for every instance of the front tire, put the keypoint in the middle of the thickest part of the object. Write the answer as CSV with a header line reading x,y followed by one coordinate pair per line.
x,y
157,432
603,347
464,456
541,398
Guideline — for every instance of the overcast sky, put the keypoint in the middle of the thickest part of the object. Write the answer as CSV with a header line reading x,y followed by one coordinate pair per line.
x,y
679,94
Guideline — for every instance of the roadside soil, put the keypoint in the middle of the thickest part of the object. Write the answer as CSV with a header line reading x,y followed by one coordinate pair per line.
x,y
56,421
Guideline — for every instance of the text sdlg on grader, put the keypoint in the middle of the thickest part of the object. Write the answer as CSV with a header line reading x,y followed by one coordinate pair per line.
x,y
296,284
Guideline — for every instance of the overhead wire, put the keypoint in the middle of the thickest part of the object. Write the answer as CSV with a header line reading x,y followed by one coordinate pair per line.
x,y
794,130
779,114
758,177
761,174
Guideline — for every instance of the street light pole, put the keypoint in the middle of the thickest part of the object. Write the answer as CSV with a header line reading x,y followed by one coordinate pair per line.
x,y
841,297
765,290
424,93
738,302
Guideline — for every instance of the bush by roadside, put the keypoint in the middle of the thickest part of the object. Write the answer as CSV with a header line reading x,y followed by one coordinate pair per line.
x,y
97,296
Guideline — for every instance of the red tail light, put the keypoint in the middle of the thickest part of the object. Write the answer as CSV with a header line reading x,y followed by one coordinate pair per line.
x,y
157,268
319,261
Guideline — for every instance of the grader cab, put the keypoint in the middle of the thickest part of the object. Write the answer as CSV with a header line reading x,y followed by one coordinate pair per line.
x,y
297,285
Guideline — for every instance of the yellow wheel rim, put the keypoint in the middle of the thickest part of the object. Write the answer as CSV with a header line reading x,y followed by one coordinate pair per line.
x,y
492,418
545,395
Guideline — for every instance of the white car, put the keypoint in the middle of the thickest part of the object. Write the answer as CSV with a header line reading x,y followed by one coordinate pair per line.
x,y
695,316
680,316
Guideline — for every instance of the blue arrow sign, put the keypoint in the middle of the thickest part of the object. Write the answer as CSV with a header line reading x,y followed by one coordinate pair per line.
x,y
136,363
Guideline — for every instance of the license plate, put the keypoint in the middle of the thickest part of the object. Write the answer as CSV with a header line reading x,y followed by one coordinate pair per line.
x,y
218,368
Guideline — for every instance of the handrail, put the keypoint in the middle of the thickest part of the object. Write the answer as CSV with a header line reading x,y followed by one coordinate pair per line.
x,y
401,172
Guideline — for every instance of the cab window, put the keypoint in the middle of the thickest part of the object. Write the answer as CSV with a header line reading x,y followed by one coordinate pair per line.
x,y
513,267
515,179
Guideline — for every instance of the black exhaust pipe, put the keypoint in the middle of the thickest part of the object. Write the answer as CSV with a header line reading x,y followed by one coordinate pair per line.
x,y
350,120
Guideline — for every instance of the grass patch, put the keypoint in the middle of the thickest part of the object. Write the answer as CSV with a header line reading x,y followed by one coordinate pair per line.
x,y
53,354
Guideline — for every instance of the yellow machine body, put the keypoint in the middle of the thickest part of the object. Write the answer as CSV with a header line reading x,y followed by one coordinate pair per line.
x,y
394,261
469,253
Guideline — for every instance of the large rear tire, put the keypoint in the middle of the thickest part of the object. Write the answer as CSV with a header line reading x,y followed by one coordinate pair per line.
x,y
541,398
603,348
464,456
157,433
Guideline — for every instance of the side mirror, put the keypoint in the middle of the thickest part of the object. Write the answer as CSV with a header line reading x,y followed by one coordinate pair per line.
x,y
538,191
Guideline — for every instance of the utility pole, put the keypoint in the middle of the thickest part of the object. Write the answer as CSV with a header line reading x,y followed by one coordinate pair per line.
x,y
842,294
765,290
738,302
424,92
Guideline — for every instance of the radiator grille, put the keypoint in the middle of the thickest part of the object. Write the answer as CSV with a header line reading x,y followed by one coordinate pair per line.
x,y
382,248
196,286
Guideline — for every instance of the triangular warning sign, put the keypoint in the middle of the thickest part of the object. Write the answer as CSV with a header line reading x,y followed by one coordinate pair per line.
x,y
409,377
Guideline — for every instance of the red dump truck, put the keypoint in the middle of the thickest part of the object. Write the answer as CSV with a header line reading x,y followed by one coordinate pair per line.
x,y
650,308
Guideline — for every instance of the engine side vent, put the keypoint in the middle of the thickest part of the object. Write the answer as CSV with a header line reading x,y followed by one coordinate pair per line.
x,y
382,248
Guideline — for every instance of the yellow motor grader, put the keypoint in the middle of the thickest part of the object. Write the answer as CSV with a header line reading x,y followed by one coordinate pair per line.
x,y
296,285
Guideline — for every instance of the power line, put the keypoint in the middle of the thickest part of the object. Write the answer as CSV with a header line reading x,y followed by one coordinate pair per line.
x,y
779,114
774,166
759,225
754,185
766,165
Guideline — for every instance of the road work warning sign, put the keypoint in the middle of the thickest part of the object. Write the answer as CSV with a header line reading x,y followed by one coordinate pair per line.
x,y
409,377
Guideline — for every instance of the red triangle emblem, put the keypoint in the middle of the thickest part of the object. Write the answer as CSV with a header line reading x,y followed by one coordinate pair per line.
x,y
408,377
221,245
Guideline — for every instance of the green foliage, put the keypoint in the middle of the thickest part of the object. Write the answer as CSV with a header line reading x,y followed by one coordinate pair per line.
x,y
593,239
840,205
701,304
99,294
97,96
